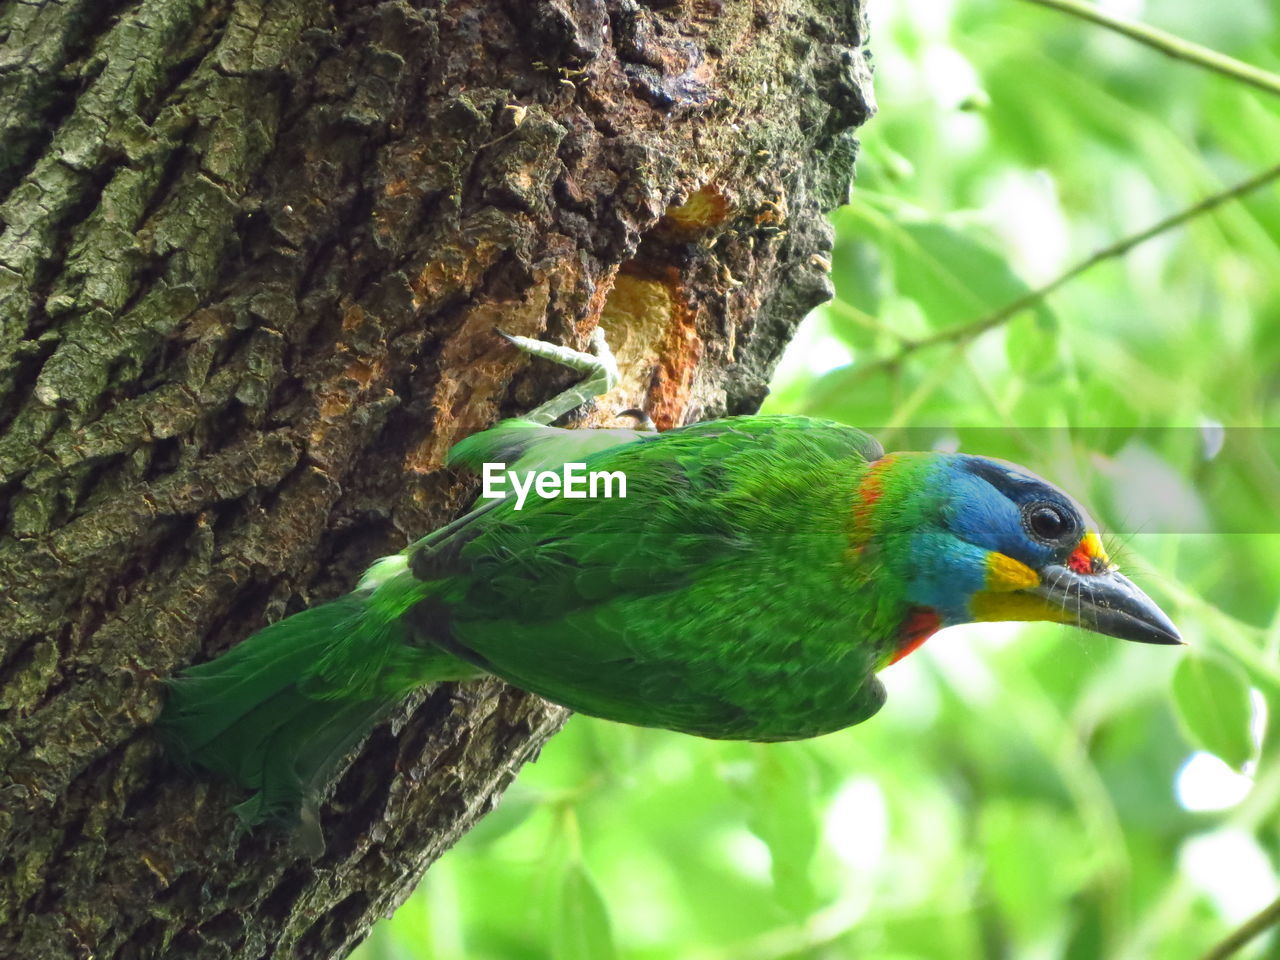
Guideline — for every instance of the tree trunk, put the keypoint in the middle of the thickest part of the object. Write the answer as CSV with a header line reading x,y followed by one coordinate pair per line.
x,y
253,253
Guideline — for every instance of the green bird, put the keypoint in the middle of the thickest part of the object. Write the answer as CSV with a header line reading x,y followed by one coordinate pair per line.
x,y
756,575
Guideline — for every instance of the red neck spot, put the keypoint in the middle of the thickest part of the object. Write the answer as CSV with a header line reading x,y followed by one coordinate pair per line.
x,y
921,624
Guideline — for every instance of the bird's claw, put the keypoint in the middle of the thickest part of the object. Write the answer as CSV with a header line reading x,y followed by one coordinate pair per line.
x,y
643,420
600,367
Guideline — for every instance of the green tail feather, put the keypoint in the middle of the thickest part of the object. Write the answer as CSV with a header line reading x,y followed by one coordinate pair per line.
x,y
264,716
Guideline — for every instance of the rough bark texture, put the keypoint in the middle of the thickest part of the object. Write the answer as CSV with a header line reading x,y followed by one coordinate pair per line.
x,y
252,255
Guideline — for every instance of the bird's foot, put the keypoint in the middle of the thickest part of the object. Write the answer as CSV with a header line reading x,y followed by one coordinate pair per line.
x,y
642,419
599,365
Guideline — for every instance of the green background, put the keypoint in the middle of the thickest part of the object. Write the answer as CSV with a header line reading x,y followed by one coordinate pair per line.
x,y
1028,791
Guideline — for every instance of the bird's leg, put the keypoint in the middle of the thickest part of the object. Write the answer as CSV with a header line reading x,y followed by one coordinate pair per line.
x,y
599,365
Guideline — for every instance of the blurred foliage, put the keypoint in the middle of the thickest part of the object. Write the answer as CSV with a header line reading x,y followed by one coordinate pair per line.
x,y
1028,791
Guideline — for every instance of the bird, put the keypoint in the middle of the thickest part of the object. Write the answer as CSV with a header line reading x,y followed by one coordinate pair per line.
x,y
758,574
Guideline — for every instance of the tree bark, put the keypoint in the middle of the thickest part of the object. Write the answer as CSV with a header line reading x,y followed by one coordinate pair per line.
x,y
253,253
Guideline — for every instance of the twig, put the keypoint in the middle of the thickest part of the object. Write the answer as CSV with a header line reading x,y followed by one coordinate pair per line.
x,y
1171,45
967,331
1269,916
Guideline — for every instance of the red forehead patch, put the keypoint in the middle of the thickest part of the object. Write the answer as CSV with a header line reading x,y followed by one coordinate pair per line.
x,y
1088,556
1081,561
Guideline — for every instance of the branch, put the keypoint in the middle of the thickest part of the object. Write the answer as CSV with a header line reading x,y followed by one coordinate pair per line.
x,y
967,331
1171,45
1267,917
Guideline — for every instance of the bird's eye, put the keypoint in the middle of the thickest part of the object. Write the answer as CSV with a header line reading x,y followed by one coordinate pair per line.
x,y
1048,521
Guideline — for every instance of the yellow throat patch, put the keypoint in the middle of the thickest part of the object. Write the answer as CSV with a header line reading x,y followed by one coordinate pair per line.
x,y
999,599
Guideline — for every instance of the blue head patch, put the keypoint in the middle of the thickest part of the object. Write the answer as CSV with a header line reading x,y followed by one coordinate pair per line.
x,y
988,507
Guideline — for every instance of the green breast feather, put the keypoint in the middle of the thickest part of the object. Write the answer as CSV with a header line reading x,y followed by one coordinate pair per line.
x,y
716,598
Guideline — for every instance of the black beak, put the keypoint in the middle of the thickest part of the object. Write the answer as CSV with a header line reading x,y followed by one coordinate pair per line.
x,y
1106,603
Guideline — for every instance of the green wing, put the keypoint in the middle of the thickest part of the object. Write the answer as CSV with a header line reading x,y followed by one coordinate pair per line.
x,y
714,598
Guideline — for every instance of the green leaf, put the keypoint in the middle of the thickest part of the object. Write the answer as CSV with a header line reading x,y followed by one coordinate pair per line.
x,y
857,271
1212,699
1033,345
580,926
784,815
516,806
948,267
1019,839
954,274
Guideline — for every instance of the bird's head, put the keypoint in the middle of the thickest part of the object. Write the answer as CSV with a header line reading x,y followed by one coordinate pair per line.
x,y
989,540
